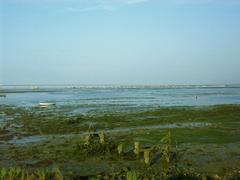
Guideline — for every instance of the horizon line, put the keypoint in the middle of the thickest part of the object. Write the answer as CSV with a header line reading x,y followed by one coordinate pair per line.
x,y
121,84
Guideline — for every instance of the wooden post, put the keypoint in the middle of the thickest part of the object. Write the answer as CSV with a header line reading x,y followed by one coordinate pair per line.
x,y
146,156
87,139
137,148
120,149
101,137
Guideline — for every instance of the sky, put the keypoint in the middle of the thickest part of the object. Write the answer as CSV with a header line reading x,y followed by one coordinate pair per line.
x,y
119,41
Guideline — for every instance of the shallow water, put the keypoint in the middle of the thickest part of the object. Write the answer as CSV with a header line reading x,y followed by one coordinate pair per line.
x,y
39,138
2,117
85,99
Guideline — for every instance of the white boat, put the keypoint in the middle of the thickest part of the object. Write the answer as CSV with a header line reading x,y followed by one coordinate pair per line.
x,y
46,104
35,88
3,95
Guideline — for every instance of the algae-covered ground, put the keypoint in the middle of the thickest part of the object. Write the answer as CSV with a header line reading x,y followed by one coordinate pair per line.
x,y
203,141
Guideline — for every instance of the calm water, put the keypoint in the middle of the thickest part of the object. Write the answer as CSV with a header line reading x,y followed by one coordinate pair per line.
x,y
117,99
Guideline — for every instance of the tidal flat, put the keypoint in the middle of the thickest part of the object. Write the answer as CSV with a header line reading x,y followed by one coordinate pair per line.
x,y
184,142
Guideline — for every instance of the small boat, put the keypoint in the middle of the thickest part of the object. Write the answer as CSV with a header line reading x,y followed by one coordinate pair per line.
x,y
3,95
46,104
35,88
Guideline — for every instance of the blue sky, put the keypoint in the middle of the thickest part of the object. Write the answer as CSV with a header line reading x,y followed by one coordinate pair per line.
x,y
119,41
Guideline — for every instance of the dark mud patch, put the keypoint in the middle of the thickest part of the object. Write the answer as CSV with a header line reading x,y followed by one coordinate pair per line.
x,y
5,135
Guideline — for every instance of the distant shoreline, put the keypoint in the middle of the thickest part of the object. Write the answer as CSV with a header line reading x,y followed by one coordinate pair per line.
x,y
54,87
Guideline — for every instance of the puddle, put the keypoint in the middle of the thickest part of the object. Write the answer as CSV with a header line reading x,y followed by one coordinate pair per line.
x,y
2,117
29,139
41,138
82,110
162,126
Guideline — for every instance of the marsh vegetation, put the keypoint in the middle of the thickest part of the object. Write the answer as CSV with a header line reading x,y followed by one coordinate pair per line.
x,y
164,143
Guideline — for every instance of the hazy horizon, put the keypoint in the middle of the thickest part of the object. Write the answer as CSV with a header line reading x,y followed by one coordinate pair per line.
x,y
119,42
121,85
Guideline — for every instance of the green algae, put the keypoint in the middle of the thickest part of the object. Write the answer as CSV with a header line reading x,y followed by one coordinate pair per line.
x,y
211,149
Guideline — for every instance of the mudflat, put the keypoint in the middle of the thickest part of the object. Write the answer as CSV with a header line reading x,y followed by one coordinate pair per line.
x,y
201,141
